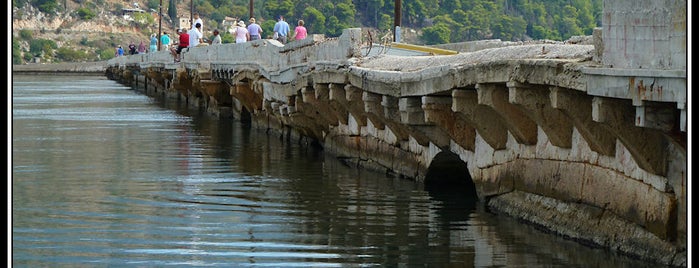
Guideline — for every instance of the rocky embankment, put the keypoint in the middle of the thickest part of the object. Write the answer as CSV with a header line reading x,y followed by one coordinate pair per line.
x,y
97,67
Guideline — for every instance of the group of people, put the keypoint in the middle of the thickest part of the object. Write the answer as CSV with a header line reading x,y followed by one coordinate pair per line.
x,y
141,48
282,30
194,37
189,38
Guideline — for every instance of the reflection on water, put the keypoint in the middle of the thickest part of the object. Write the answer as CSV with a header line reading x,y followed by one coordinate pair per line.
x,y
103,175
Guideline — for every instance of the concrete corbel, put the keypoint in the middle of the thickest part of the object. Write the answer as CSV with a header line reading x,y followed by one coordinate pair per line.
x,y
354,103
328,108
578,108
518,123
438,111
647,146
391,117
489,124
373,108
535,103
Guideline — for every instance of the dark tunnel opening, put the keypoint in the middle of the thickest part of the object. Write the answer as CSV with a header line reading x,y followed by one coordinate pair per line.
x,y
245,117
449,181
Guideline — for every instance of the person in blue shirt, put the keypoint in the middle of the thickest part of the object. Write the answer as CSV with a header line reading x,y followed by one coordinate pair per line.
x,y
165,42
281,30
119,52
153,43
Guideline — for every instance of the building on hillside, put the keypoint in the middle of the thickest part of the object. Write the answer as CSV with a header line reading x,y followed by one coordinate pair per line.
x,y
129,11
185,23
228,23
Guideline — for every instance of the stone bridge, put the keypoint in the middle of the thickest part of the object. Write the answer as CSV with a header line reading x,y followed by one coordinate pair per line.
x,y
588,141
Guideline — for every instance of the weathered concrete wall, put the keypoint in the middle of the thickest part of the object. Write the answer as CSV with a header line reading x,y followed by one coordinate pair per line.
x,y
646,34
538,142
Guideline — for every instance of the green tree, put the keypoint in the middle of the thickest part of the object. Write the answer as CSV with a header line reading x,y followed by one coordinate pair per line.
x,y
46,6
437,34
450,24
267,27
16,52
37,47
414,13
26,34
568,24
449,6
333,28
143,19
280,7
69,55
386,22
369,12
476,24
105,54
154,4
509,28
314,20
172,10
85,13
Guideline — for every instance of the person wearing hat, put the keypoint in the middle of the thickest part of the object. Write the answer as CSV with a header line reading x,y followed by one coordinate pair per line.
x,y
182,44
255,30
241,33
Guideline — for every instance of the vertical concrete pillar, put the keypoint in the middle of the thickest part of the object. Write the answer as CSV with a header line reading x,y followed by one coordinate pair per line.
x,y
337,93
354,103
330,94
373,108
391,117
411,112
308,95
390,107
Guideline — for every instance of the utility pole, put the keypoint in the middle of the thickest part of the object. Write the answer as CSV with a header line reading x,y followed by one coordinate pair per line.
x,y
160,24
251,8
191,13
396,21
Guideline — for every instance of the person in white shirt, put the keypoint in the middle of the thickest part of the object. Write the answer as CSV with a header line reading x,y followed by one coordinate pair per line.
x,y
195,35
241,33
197,19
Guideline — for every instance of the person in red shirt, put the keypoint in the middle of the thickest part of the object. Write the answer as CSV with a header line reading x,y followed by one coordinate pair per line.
x,y
183,43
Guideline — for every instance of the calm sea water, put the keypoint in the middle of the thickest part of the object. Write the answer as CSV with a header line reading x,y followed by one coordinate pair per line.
x,y
103,175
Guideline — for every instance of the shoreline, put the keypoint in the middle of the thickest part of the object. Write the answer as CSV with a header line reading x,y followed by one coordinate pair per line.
x,y
96,68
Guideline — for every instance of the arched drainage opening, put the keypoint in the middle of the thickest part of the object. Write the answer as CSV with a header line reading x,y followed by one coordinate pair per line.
x,y
245,116
449,181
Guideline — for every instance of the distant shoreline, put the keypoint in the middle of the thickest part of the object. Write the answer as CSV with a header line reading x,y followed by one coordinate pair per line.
x,y
96,68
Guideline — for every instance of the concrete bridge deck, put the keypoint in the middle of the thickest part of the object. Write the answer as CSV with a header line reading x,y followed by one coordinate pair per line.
x,y
548,133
